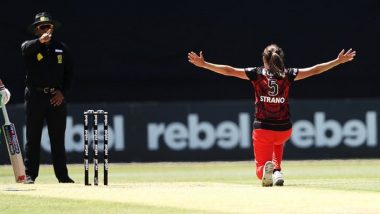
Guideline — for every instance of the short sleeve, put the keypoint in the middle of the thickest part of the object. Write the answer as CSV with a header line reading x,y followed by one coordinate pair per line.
x,y
292,73
252,72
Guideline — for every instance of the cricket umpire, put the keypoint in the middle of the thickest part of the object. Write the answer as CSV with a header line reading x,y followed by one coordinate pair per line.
x,y
48,77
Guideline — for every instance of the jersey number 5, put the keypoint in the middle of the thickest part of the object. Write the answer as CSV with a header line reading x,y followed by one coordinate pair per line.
x,y
272,84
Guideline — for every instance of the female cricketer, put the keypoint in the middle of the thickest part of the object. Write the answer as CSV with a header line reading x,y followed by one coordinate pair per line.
x,y
272,125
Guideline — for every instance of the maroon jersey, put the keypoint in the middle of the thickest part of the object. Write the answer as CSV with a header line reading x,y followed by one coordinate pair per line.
x,y
272,96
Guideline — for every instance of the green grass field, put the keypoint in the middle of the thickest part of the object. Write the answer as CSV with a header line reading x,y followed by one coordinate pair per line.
x,y
328,186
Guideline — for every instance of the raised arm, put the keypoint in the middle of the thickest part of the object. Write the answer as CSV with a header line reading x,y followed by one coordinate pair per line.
x,y
227,70
33,46
320,68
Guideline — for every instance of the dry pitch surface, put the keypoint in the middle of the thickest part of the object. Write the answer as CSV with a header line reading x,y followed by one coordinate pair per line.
x,y
338,186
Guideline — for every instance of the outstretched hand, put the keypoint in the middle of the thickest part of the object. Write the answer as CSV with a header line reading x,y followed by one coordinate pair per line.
x,y
196,59
345,57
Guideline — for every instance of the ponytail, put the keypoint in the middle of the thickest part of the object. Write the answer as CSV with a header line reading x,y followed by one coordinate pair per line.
x,y
276,66
274,58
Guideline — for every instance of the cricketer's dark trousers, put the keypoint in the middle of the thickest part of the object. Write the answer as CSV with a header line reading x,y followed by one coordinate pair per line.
x,y
39,109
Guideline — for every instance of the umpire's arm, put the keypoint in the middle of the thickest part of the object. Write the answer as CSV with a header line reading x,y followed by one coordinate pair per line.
x,y
30,47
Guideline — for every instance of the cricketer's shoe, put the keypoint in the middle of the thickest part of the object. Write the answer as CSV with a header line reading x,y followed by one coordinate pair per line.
x,y
28,180
278,179
267,180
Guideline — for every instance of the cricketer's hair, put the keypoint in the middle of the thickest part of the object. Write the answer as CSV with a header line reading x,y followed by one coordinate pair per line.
x,y
274,58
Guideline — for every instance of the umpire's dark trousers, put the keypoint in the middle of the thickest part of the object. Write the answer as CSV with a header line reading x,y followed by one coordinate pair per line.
x,y
39,110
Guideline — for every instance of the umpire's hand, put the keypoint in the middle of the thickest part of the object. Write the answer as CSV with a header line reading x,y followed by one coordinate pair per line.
x,y
57,98
46,37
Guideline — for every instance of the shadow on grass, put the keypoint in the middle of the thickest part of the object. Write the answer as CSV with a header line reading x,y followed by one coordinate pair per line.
x,y
11,189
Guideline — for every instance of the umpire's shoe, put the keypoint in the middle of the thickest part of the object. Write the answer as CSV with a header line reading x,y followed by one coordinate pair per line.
x,y
66,180
29,180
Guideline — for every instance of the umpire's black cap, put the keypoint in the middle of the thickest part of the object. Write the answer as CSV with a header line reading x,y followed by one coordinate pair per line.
x,y
43,18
